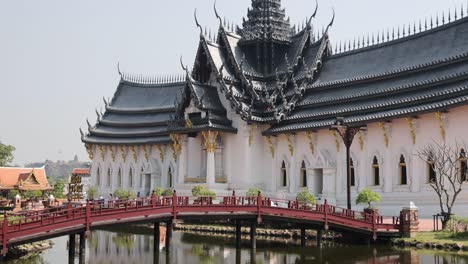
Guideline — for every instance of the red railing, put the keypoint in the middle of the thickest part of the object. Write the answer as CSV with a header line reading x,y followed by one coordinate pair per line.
x,y
18,226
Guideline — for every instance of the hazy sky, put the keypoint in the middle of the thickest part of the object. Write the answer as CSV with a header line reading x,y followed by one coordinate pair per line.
x,y
58,57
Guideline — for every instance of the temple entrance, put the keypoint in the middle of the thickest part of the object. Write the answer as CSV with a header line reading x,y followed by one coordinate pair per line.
x,y
316,182
147,184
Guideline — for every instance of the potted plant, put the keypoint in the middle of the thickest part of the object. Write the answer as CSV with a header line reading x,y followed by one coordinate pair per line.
x,y
92,193
367,196
252,192
203,194
305,199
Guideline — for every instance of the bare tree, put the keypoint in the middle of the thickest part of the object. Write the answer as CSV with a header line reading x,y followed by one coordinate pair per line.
x,y
449,170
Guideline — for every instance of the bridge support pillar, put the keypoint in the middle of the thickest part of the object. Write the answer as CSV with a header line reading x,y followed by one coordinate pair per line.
x,y
71,248
319,237
157,238
253,235
238,234
82,246
168,234
303,236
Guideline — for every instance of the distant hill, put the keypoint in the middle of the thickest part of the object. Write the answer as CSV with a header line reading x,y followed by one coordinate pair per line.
x,y
59,169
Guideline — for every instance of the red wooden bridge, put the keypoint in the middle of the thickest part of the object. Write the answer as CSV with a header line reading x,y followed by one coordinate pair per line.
x,y
33,226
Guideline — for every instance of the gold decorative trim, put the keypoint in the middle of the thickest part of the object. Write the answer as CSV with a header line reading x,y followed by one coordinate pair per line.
x,y
112,152
101,152
385,134
161,152
361,140
210,140
337,140
410,121
134,153
441,124
188,123
147,151
271,146
123,153
251,134
290,144
89,149
311,142
176,146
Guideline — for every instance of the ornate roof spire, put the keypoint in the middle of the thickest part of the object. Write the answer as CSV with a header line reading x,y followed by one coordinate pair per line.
x,y
266,20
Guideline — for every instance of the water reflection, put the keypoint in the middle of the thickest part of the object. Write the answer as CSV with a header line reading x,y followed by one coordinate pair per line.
x,y
136,246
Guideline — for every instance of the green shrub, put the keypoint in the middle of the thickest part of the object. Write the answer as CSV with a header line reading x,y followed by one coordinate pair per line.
x,y
124,194
457,224
33,194
168,192
305,197
12,194
92,192
252,192
367,196
158,191
201,191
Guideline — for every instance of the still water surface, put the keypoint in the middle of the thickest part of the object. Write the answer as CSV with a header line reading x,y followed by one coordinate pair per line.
x,y
108,247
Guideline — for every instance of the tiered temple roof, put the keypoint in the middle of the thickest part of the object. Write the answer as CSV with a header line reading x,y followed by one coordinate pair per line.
x,y
271,74
138,114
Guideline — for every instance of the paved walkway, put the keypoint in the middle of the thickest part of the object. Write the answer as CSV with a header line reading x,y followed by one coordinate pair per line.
x,y
427,225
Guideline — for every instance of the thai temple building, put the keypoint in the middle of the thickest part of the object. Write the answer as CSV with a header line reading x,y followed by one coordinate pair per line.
x,y
261,105
23,180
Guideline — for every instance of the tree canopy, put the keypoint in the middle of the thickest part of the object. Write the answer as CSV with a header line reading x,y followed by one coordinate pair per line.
x,y
6,154
367,196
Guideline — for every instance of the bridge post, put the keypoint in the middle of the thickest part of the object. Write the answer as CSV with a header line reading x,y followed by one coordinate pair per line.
x,y
71,248
253,235
259,207
88,216
238,234
5,235
409,221
325,207
319,237
168,233
82,246
174,208
157,237
303,236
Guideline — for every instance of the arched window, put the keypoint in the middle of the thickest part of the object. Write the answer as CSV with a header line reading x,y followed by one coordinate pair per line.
x,y
376,171
463,165
284,175
353,172
169,177
109,177
303,175
98,177
431,174
119,178
130,176
403,171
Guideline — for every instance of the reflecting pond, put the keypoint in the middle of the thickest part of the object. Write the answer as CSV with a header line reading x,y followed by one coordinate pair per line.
x,y
136,246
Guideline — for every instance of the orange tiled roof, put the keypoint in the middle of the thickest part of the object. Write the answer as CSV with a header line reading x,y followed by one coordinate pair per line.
x,y
23,178
80,171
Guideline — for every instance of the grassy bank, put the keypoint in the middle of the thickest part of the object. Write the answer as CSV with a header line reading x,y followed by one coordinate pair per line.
x,y
436,240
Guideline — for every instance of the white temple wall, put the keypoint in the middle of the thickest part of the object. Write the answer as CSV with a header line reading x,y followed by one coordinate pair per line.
x,y
248,166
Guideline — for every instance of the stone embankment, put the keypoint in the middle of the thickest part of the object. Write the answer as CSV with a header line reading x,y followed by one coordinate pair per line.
x,y
27,250
429,245
261,232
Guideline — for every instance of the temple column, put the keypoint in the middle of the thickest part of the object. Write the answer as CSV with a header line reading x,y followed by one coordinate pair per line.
x,y
210,138
183,161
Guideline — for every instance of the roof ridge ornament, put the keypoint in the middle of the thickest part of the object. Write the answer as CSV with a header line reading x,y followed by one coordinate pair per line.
x,y
196,22
217,15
